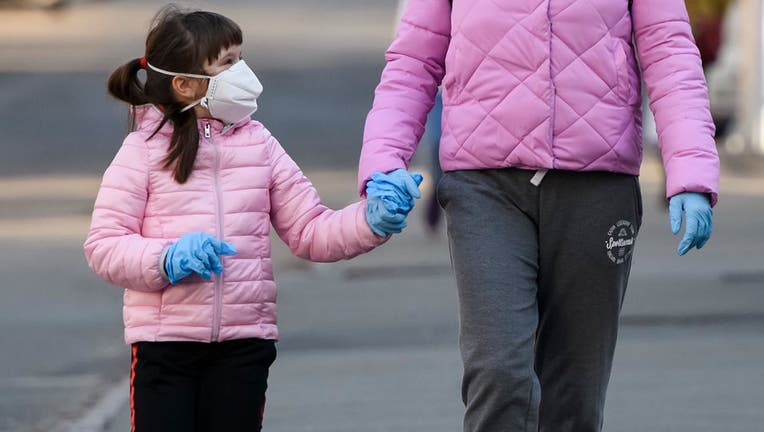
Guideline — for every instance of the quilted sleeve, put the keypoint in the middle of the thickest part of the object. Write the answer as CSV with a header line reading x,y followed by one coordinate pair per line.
x,y
406,92
311,230
114,247
672,69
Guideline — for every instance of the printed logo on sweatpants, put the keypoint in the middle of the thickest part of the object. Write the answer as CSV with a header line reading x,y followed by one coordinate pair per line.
x,y
620,241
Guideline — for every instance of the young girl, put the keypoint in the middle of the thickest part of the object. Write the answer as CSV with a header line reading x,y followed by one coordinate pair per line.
x,y
182,223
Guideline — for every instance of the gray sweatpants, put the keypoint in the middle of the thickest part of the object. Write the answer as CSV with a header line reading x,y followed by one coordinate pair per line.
x,y
541,273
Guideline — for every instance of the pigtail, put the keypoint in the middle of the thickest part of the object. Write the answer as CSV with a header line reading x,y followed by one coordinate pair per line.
x,y
124,84
183,144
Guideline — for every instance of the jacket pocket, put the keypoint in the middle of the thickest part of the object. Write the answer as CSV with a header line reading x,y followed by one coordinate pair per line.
x,y
440,191
638,203
628,87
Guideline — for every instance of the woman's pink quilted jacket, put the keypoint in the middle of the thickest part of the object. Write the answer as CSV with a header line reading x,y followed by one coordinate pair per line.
x,y
241,183
545,84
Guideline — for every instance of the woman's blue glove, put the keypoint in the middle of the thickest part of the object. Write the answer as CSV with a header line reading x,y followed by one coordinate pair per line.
x,y
699,219
195,252
390,198
398,195
406,184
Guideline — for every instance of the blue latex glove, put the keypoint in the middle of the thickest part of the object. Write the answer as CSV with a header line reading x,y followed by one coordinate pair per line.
x,y
195,252
407,184
381,220
394,199
398,188
390,198
698,216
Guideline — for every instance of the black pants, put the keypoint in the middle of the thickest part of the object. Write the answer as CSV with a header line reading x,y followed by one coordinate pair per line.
x,y
199,387
541,273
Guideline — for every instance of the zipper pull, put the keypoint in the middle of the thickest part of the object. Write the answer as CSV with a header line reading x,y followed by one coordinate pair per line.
x,y
207,133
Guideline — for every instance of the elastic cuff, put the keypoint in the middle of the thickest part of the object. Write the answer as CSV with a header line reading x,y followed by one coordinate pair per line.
x,y
162,268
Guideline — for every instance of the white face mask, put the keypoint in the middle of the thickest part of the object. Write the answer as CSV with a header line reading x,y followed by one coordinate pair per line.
x,y
231,94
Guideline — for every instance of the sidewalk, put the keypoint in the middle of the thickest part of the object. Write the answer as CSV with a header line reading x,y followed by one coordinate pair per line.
x,y
689,356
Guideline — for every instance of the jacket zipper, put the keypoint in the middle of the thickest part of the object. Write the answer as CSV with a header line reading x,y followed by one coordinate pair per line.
x,y
218,201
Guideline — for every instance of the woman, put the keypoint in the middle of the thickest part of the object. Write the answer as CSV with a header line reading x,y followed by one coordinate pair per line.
x,y
541,147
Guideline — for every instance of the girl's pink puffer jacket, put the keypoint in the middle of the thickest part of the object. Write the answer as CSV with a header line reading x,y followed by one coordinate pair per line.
x,y
242,182
545,84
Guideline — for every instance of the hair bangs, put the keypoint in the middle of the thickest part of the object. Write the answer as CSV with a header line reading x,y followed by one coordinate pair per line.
x,y
213,33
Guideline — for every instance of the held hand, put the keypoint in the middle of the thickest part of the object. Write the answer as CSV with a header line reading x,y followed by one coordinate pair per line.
x,y
406,184
195,252
382,221
390,198
698,219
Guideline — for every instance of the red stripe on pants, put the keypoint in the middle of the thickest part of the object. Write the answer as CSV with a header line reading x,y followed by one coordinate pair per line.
x,y
132,387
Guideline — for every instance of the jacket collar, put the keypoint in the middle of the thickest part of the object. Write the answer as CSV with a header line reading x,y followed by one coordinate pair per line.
x,y
148,117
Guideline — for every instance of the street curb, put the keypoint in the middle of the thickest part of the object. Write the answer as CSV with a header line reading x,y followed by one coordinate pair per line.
x,y
100,415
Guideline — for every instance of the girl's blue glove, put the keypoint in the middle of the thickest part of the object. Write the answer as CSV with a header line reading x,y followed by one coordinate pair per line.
x,y
390,198
699,219
195,252
381,220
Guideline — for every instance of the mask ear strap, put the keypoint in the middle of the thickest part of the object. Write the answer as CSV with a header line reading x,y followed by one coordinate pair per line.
x,y
202,101
165,72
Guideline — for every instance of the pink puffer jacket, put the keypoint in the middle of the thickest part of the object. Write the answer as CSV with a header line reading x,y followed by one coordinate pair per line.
x,y
242,182
545,84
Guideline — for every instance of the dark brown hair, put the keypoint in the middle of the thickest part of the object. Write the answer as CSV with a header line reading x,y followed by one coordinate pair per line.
x,y
179,41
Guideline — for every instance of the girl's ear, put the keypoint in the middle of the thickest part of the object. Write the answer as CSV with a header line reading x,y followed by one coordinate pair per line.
x,y
186,89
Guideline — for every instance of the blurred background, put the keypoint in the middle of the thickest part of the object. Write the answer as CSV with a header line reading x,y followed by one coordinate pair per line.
x,y
369,344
